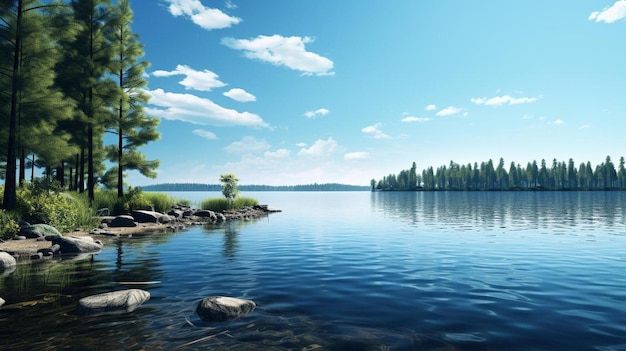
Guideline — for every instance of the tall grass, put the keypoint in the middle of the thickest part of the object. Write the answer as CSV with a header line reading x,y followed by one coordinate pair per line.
x,y
222,204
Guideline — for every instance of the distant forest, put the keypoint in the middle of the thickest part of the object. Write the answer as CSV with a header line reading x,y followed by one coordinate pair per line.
x,y
487,176
218,187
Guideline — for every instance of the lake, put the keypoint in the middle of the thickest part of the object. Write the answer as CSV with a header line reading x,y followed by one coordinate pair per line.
x,y
352,271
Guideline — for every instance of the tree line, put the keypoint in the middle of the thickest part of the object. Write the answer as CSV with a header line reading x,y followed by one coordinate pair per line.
x,y
217,187
71,72
487,176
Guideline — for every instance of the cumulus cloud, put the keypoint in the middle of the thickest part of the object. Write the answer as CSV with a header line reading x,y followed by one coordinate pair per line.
x,y
320,148
240,95
204,134
610,14
318,112
206,17
194,80
283,51
360,155
412,119
448,111
196,110
503,100
375,132
278,154
430,107
558,122
247,144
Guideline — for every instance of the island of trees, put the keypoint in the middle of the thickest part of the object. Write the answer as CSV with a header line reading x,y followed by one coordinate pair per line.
x,y
487,176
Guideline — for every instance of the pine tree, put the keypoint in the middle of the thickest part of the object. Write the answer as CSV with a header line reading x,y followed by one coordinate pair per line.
x,y
131,125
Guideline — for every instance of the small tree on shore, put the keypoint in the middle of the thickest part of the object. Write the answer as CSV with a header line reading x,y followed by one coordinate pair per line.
x,y
229,185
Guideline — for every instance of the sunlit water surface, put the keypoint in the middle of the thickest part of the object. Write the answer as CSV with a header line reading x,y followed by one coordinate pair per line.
x,y
352,271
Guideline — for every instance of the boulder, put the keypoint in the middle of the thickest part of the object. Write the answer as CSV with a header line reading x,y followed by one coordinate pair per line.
x,y
38,230
115,302
222,308
76,245
176,213
206,214
166,219
143,216
7,261
122,221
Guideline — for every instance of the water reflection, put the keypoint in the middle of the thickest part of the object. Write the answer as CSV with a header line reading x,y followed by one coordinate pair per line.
x,y
504,210
230,229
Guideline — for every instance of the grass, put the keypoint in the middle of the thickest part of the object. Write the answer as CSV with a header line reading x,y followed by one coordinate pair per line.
x,y
222,204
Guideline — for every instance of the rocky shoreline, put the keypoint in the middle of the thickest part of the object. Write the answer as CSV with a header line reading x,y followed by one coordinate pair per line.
x,y
36,241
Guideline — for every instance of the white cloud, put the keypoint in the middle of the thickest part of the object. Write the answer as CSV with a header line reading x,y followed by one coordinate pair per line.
x,y
430,107
320,148
411,119
196,110
240,95
503,100
610,14
205,134
558,122
278,154
283,51
319,112
246,145
206,17
585,126
361,155
301,145
194,80
449,111
375,131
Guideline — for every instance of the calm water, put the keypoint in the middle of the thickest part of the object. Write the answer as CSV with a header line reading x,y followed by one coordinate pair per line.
x,y
352,271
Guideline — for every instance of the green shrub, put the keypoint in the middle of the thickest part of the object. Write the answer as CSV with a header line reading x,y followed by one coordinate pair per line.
x,y
133,199
161,202
41,202
8,226
220,204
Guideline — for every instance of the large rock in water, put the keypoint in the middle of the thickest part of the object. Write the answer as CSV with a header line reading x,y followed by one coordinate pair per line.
x,y
38,231
7,261
115,302
74,245
221,308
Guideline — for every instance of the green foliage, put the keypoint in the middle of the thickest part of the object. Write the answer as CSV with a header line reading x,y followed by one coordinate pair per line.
x,y
41,202
229,185
8,226
220,205
160,202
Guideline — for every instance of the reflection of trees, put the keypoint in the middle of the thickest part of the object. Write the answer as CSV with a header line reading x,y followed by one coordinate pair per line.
x,y
230,229
502,209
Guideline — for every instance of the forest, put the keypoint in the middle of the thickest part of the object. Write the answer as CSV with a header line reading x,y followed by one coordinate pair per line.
x,y
487,176
71,73
218,187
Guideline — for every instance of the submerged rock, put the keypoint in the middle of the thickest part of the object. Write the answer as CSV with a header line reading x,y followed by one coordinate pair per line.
x,y
221,308
76,245
115,302
7,261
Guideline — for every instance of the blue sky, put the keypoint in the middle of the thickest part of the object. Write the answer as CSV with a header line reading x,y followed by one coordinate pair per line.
x,y
298,92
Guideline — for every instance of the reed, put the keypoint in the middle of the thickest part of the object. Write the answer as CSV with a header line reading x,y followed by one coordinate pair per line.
x,y
221,204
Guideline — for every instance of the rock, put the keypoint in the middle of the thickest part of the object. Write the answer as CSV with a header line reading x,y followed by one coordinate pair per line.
x,y
123,221
220,217
115,302
38,231
176,213
205,214
142,216
221,308
7,261
165,219
76,245
2,302
37,256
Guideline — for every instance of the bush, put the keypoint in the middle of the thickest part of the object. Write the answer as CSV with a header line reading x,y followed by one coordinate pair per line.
x,y
220,205
41,202
161,202
8,226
